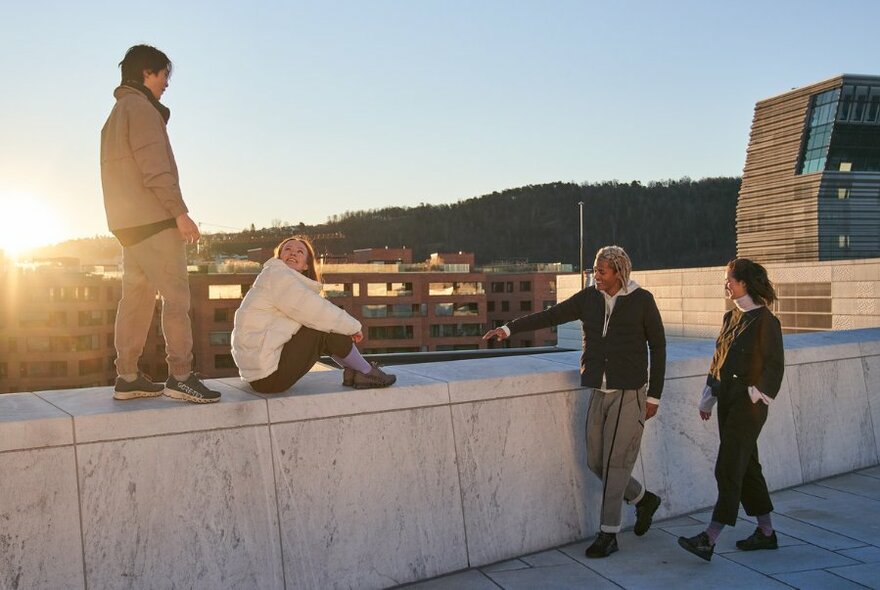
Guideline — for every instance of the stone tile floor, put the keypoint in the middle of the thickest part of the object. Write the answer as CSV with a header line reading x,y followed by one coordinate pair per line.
x,y
829,537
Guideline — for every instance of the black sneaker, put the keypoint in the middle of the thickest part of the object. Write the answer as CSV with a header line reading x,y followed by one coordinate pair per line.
x,y
191,390
348,377
698,545
758,540
143,386
645,510
604,545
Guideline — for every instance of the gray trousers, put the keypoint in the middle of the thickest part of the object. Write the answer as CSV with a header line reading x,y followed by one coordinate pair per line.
x,y
155,264
615,423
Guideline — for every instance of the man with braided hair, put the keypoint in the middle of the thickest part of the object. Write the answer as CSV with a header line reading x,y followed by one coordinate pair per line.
x,y
622,328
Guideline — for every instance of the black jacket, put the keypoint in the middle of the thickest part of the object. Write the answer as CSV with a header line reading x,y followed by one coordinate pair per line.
x,y
622,354
749,351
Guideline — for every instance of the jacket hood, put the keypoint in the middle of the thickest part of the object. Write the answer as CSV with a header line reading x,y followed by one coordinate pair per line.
x,y
630,287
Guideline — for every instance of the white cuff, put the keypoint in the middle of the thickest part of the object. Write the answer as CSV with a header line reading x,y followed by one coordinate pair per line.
x,y
707,401
653,400
506,331
756,395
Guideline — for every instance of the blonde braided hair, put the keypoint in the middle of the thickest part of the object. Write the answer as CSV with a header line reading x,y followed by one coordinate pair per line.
x,y
618,260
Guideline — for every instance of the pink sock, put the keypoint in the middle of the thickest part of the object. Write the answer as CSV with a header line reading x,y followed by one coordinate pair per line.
x,y
354,360
713,531
765,525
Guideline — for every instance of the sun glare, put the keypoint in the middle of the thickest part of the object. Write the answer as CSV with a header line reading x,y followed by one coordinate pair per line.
x,y
25,222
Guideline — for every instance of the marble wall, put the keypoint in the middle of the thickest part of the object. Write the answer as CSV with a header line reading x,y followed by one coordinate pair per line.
x,y
457,465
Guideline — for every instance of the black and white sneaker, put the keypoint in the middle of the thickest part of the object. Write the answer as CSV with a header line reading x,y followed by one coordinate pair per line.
x,y
191,390
143,386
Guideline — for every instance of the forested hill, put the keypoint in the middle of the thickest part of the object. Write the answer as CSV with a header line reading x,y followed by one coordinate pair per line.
x,y
670,224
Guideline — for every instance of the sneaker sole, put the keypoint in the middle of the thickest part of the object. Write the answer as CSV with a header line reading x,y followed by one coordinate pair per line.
x,y
124,395
601,555
748,548
179,395
372,385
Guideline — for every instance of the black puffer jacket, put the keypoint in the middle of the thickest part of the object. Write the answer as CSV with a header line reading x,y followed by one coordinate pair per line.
x,y
621,354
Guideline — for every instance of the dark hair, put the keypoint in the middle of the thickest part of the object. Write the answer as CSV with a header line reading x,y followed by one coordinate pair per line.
x,y
140,58
312,270
758,284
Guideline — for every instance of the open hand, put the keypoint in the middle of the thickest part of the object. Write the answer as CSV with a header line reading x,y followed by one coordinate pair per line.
x,y
497,333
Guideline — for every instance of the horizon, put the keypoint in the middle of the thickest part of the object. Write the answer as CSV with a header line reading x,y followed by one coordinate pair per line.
x,y
322,110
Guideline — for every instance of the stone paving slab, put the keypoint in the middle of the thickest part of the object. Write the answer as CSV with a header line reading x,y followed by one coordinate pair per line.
x,y
547,558
854,483
469,580
866,574
510,564
656,561
795,558
871,472
817,580
866,554
571,576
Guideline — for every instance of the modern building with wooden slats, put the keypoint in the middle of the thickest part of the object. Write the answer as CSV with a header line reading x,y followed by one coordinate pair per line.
x,y
811,183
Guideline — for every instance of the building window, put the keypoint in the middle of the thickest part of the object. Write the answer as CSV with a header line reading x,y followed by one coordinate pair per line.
x,y
455,288
551,287
505,306
390,332
332,290
43,369
220,338
803,307
843,241
91,318
497,287
86,342
525,305
91,366
389,289
374,311
508,287
451,347
525,286
224,314
455,330
42,319
223,361
817,138
225,292
456,309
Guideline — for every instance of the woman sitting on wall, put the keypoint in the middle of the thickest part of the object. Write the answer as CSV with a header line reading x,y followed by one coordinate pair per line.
x,y
744,377
284,325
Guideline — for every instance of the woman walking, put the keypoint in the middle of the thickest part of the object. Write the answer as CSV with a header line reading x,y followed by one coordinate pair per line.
x,y
744,377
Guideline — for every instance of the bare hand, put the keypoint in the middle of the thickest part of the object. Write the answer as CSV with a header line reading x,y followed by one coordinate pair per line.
x,y
705,415
651,410
497,333
189,231
357,336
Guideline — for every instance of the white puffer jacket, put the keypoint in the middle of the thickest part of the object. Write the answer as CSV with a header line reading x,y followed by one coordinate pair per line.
x,y
278,304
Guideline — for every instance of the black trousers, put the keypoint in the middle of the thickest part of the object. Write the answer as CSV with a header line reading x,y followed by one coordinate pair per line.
x,y
737,468
300,354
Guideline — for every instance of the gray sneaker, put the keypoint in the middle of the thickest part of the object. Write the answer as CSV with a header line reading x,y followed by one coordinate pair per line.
x,y
143,386
191,390
375,378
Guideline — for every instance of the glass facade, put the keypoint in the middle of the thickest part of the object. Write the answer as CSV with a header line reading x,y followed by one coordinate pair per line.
x,y
843,131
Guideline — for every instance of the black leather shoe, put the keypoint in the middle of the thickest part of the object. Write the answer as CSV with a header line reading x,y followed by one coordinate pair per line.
x,y
604,545
758,540
699,545
645,510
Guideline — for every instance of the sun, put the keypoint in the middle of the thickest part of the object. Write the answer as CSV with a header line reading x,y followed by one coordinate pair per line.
x,y
25,222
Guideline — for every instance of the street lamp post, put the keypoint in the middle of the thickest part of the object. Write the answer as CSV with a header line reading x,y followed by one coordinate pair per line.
x,y
581,247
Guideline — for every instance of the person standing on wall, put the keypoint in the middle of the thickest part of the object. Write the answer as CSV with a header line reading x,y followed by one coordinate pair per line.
x,y
146,213
744,377
622,329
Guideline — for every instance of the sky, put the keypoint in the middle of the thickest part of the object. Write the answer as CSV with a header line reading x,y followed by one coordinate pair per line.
x,y
296,111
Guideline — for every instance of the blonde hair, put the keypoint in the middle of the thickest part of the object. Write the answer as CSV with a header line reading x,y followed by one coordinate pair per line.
x,y
618,260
